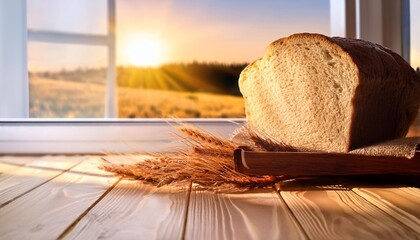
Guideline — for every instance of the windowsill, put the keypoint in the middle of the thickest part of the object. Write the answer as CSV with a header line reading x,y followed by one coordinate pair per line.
x,y
93,136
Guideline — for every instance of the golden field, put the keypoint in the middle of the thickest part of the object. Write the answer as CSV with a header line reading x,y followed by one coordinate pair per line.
x,y
69,99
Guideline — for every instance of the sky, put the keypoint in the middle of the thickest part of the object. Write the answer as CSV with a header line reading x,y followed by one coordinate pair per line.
x,y
233,31
226,31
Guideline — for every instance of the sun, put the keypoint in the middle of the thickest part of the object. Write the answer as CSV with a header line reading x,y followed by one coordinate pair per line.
x,y
143,50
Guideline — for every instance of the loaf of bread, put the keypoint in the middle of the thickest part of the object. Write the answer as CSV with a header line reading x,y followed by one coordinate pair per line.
x,y
329,94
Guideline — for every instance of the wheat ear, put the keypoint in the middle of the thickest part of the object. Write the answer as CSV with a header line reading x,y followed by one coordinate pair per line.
x,y
205,143
208,162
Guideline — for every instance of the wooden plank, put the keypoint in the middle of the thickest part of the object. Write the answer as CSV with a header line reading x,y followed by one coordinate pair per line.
x,y
91,166
14,182
7,168
402,203
133,210
6,186
17,160
259,214
47,211
58,162
332,214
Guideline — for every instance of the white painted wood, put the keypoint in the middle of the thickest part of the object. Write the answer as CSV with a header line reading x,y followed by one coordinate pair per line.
x,y
406,30
343,18
67,38
337,18
14,88
111,108
100,136
384,22
369,20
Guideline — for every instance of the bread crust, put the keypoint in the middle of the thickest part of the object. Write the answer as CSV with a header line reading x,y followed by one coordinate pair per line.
x,y
384,98
398,86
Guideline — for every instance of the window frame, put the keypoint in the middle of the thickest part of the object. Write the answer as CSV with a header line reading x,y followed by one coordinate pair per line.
x,y
92,136
107,40
22,135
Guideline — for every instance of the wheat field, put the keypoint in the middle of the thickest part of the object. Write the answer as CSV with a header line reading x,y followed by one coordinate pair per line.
x,y
67,99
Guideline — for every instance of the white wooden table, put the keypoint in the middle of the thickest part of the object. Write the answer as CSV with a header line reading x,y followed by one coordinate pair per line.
x,y
50,197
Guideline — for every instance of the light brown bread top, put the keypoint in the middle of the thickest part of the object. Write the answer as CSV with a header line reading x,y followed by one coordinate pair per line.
x,y
329,94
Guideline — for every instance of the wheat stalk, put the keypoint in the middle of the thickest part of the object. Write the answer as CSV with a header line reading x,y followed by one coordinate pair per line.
x,y
209,163
204,138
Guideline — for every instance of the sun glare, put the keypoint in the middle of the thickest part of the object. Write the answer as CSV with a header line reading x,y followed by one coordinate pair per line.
x,y
143,50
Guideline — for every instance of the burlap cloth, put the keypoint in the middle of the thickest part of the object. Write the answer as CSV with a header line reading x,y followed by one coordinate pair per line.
x,y
402,147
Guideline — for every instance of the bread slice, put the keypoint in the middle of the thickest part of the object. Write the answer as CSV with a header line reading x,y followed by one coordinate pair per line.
x,y
329,94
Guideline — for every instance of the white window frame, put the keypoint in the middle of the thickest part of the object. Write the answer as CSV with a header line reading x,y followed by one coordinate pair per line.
x,y
18,105
386,22
14,87
19,134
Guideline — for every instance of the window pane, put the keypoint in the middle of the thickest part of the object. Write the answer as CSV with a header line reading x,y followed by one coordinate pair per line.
x,y
174,58
66,81
76,16
183,58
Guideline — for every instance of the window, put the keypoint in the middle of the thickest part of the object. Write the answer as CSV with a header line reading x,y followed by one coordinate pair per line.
x,y
76,16
64,85
174,59
69,79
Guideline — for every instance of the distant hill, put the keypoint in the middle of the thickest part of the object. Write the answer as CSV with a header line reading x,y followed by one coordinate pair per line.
x,y
192,77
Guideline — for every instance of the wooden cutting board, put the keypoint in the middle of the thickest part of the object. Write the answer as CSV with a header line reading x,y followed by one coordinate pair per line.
x,y
321,164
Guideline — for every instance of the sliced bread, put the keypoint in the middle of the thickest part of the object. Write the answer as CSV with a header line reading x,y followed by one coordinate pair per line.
x,y
329,94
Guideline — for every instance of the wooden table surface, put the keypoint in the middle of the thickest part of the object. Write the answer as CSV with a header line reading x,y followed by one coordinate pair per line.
x,y
50,197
